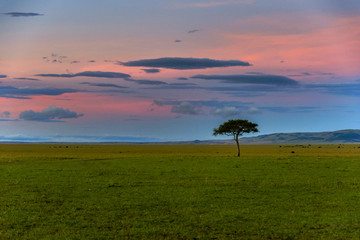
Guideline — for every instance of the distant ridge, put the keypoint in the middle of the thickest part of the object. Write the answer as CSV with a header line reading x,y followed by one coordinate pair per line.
x,y
348,136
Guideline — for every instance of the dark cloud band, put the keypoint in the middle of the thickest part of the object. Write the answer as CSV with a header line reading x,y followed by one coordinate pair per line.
x,y
23,14
102,85
251,79
97,74
27,79
23,93
183,63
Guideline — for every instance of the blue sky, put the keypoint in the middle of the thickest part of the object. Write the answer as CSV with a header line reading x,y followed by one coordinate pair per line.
x,y
174,70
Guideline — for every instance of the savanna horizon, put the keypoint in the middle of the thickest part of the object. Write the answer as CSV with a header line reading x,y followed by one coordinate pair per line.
x,y
346,136
109,112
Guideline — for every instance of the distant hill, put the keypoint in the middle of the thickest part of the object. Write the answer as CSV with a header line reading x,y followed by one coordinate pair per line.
x,y
349,136
336,137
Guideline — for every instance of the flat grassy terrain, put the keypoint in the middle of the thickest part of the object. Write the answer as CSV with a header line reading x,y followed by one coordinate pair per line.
x,y
179,192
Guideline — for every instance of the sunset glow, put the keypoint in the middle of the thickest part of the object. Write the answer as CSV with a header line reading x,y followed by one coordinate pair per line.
x,y
161,70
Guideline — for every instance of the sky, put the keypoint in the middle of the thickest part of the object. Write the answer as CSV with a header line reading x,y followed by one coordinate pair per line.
x,y
91,70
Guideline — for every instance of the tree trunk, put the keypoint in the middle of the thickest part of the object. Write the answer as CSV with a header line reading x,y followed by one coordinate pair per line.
x,y
238,146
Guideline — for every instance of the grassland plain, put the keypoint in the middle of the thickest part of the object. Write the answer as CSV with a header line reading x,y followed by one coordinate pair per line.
x,y
179,192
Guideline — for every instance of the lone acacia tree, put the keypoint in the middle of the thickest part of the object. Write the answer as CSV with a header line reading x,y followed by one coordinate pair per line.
x,y
236,128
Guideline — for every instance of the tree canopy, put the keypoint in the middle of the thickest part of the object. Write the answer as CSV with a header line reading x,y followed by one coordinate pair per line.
x,y
236,128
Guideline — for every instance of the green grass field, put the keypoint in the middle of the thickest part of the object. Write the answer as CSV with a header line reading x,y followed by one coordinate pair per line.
x,y
179,192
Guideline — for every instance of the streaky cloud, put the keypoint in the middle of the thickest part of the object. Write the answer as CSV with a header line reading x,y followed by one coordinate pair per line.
x,y
3,76
307,74
251,79
182,84
292,109
345,89
102,85
15,97
255,73
183,63
56,75
100,74
252,90
193,31
177,86
97,74
151,70
27,79
147,82
25,92
206,103
22,14
44,91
